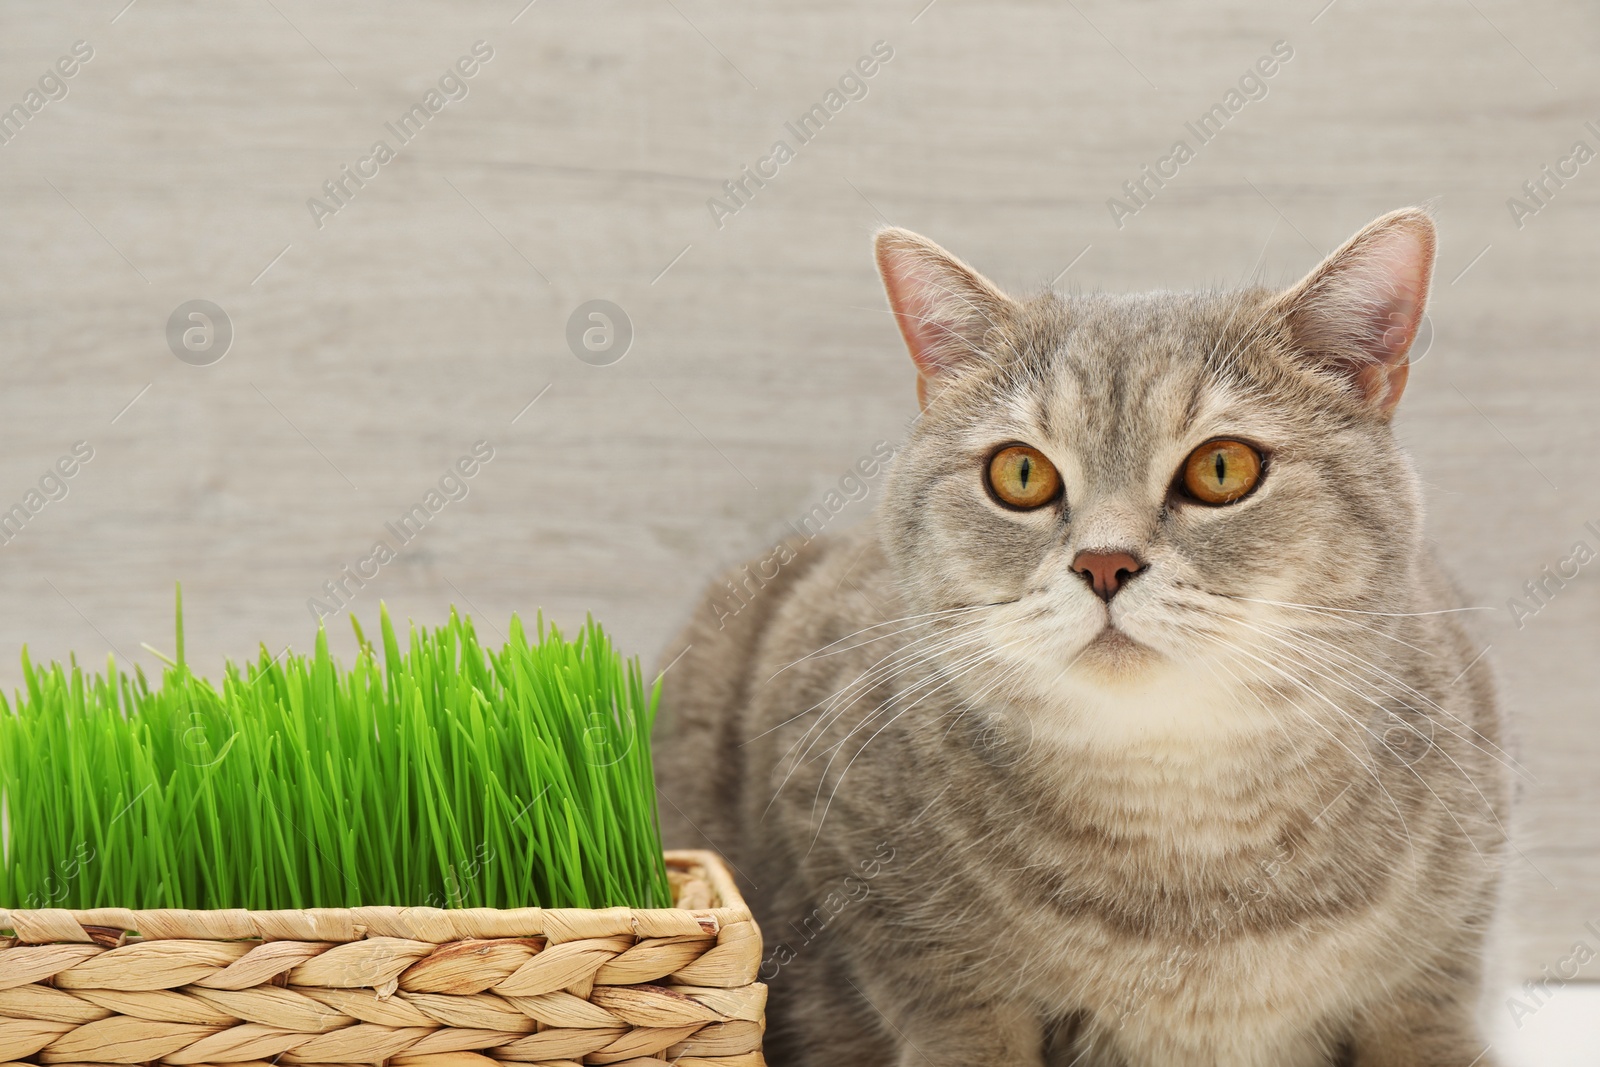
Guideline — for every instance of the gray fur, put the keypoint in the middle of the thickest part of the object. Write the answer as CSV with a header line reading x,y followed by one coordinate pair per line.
x,y
1254,835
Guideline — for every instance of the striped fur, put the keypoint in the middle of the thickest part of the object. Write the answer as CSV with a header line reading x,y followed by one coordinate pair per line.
x,y
1263,830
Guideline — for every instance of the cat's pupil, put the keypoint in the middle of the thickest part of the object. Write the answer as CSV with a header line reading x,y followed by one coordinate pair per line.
x,y
1025,470
1222,468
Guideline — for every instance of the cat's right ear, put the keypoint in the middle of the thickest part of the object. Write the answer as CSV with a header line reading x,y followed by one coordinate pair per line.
x,y
944,308
1357,314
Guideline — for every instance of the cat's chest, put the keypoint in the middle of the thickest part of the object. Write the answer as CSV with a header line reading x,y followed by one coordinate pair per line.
x,y
1141,942
1153,874
1189,901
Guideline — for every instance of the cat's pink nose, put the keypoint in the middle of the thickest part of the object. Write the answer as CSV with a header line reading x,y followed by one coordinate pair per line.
x,y
1106,571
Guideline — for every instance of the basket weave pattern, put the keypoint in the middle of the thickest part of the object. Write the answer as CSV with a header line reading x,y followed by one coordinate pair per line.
x,y
409,987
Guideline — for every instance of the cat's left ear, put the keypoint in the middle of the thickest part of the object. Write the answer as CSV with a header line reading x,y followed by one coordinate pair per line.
x,y
1358,313
944,308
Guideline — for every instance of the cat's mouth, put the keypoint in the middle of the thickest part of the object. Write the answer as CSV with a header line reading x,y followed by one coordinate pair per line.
x,y
1113,651
1114,640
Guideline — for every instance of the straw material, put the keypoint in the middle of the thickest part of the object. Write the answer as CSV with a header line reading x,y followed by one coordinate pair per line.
x,y
407,987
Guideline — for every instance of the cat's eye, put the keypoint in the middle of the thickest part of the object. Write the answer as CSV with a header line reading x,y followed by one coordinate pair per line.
x,y
1021,477
1220,472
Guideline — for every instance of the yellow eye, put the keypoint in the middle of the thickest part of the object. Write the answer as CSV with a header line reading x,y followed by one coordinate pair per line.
x,y
1022,478
1220,472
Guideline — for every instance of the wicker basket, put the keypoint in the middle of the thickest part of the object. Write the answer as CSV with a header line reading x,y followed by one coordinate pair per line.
x,y
421,987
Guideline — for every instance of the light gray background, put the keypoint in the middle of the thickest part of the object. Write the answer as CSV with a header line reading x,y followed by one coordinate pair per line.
x,y
427,314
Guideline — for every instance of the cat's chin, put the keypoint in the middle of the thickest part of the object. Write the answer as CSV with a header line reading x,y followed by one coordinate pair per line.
x,y
1124,695
1113,657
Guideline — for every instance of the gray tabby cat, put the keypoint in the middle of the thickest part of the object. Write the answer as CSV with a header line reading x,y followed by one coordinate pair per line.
x,y
1141,728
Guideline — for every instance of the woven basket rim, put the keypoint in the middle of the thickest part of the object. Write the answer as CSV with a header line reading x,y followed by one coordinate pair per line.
x,y
437,925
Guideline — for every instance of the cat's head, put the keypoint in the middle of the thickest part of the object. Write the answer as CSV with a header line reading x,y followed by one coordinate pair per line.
x,y
1123,501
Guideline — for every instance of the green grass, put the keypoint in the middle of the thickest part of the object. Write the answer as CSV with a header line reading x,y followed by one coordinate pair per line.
x,y
445,774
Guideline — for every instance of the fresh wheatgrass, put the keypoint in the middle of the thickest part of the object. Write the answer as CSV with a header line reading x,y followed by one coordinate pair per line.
x,y
445,774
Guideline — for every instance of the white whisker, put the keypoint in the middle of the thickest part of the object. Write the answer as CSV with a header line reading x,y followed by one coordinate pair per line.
x,y
897,662
1493,751
1313,691
1488,807
974,662
1355,611
824,650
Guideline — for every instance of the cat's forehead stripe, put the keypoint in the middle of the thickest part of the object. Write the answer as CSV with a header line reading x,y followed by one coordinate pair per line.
x,y
1147,364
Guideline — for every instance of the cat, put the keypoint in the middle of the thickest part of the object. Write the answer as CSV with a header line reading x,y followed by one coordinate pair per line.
x,y
1140,727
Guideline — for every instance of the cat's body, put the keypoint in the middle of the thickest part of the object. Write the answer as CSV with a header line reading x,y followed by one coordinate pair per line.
x,y
993,810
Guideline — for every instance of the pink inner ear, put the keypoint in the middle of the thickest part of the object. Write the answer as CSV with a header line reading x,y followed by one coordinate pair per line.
x,y
943,307
1401,263
1360,311
913,297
